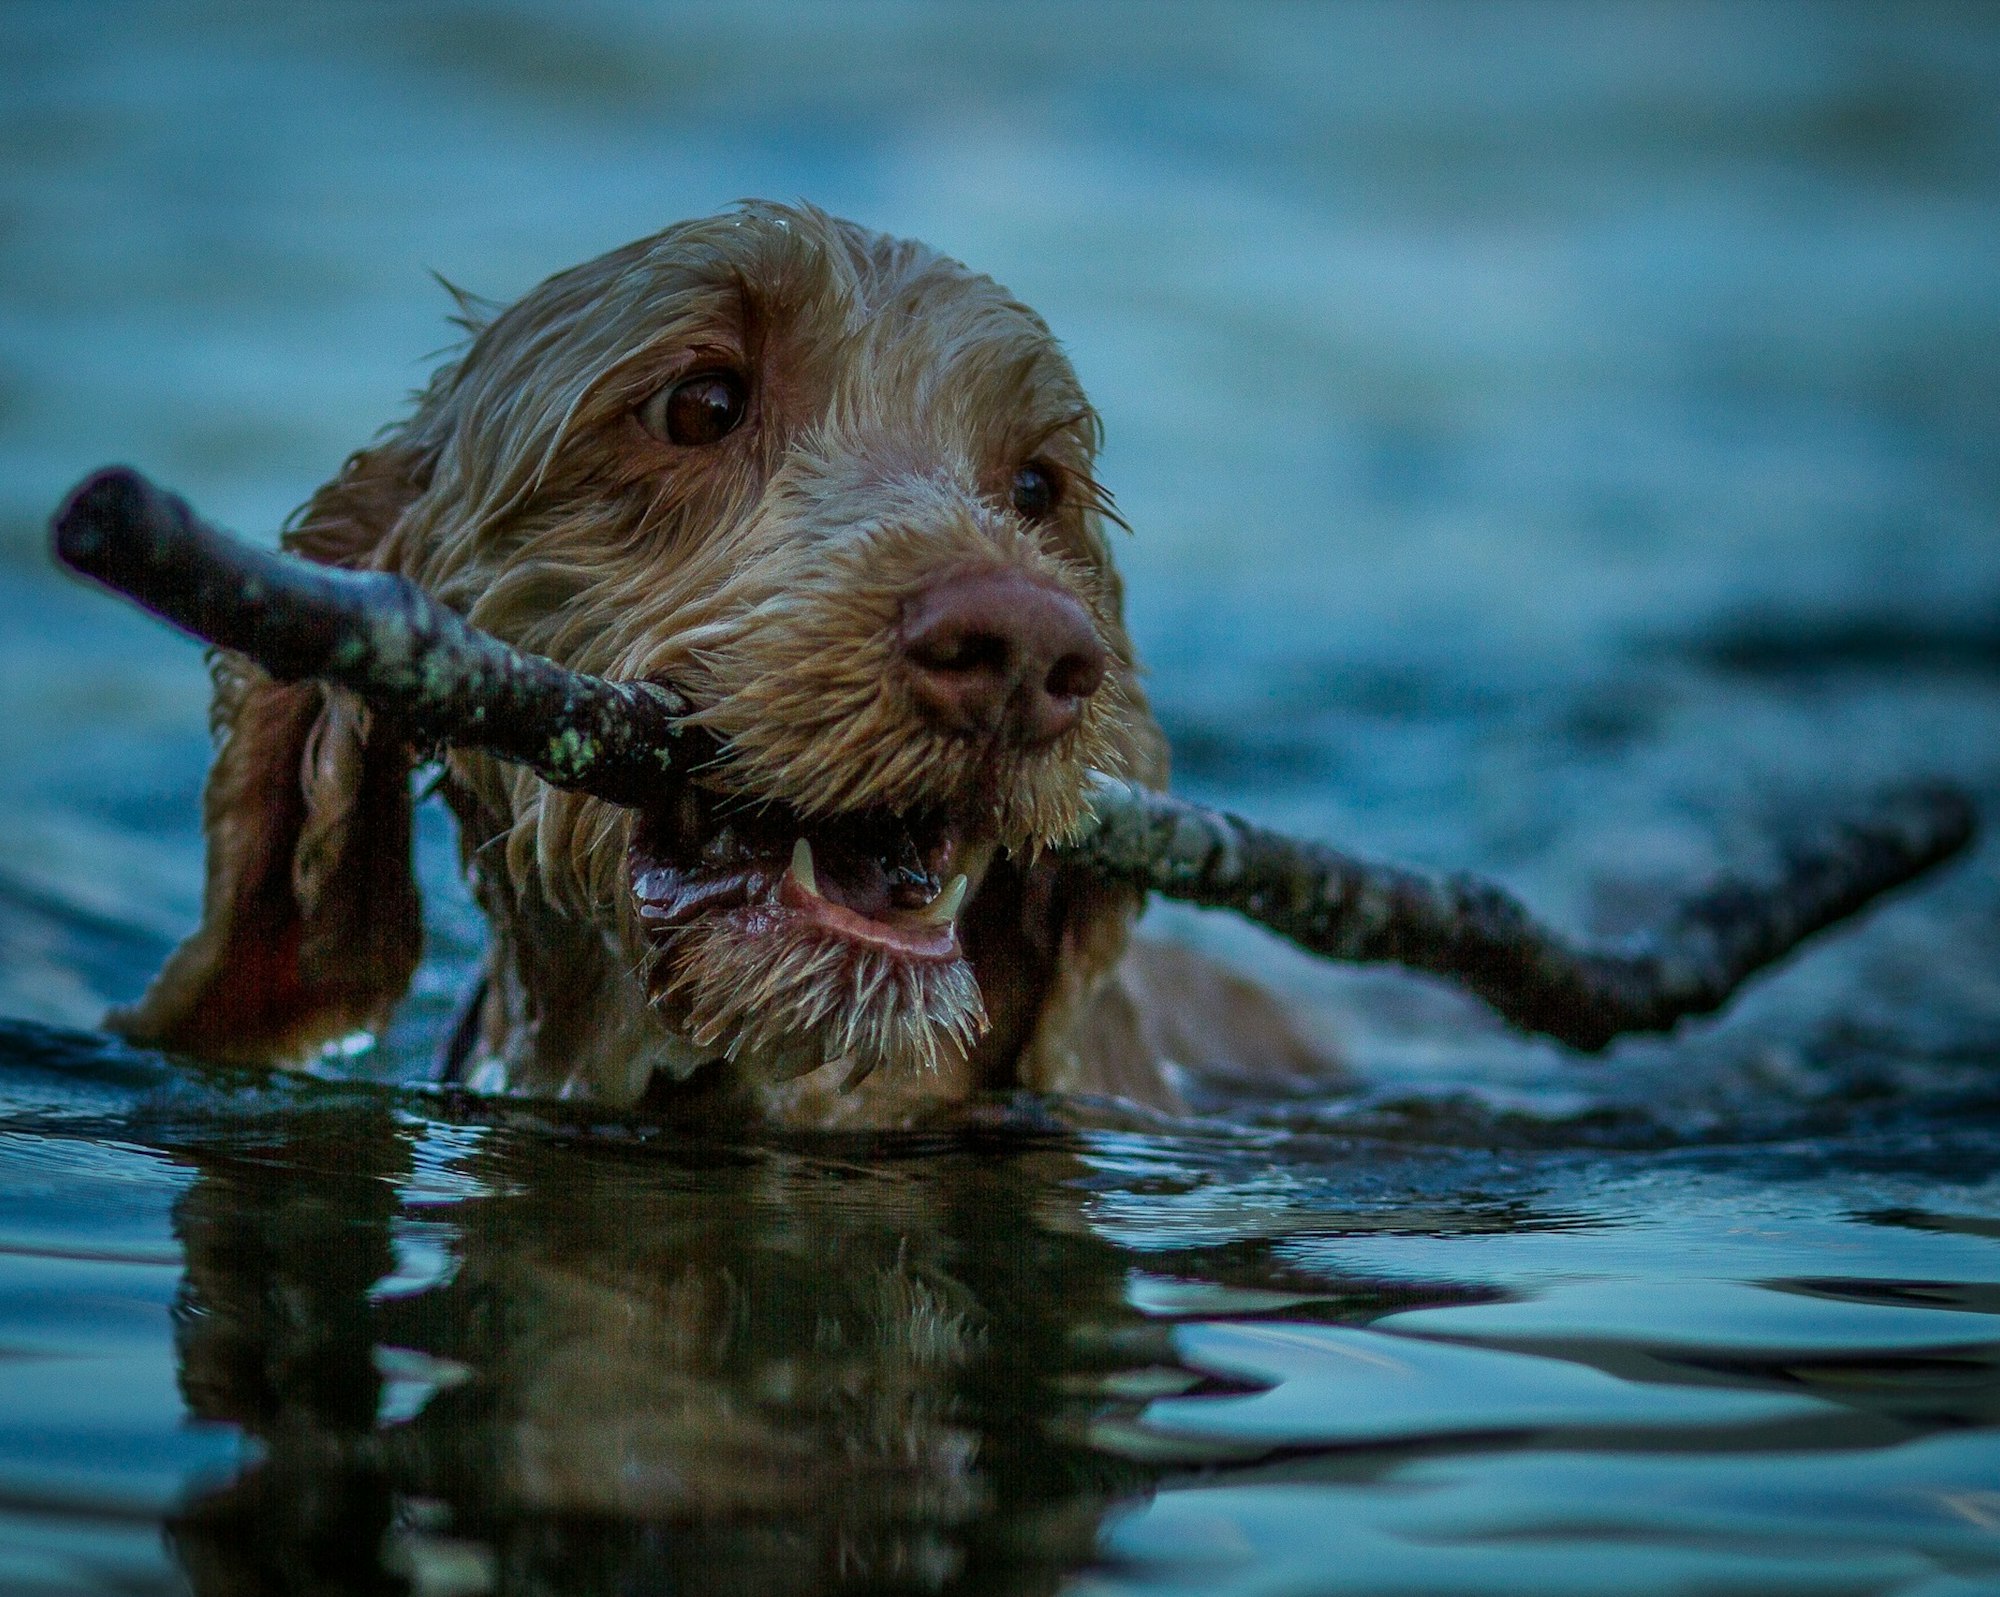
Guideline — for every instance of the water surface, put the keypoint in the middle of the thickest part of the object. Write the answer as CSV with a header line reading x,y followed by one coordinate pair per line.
x,y
1557,438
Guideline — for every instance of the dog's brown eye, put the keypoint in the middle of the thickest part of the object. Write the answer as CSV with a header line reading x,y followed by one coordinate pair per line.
x,y
697,410
1036,492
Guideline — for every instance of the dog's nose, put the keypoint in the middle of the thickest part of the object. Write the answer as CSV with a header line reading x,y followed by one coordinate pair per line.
x,y
993,652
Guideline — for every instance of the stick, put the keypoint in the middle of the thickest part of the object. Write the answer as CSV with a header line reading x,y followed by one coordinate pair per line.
x,y
412,659
1480,937
450,684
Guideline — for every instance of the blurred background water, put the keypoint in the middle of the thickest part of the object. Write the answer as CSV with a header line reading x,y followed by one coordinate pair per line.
x,y
1558,438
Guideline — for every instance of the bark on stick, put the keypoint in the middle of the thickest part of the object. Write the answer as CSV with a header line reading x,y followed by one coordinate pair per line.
x,y
413,659
1482,938
381,637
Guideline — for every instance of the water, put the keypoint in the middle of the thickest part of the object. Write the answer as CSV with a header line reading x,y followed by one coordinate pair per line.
x,y
1557,437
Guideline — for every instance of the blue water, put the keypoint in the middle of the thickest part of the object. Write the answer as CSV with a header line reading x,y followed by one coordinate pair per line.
x,y
1559,438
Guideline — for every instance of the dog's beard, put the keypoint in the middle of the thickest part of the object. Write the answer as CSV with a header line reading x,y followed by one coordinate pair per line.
x,y
821,742
780,998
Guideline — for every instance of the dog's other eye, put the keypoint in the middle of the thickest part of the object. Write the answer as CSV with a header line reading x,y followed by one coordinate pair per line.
x,y
1036,492
703,409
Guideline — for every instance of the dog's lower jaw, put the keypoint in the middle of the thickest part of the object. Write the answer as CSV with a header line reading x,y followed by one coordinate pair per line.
x,y
626,1055
568,1016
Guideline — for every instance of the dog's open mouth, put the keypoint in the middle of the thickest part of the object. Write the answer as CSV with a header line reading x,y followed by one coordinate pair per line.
x,y
790,943
880,880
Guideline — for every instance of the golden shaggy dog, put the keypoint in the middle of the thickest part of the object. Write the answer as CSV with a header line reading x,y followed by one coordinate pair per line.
x,y
837,489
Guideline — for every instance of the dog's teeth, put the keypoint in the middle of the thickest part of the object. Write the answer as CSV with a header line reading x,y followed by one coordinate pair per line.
x,y
802,867
943,910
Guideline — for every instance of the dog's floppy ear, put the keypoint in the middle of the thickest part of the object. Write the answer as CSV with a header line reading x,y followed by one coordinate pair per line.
x,y
1045,940
310,925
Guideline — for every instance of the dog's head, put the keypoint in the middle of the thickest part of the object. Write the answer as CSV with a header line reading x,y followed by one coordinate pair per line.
x,y
838,490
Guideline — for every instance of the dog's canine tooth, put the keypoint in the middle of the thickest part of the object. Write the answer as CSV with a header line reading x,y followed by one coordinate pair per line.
x,y
802,867
943,910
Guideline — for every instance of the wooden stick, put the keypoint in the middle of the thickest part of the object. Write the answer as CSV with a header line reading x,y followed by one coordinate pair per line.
x,y
386,640
1480,937
381,637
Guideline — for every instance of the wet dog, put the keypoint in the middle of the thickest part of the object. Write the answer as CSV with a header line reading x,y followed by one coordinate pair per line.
x,y
837,489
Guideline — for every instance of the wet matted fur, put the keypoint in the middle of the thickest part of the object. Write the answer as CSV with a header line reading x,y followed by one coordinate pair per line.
x,y
888,401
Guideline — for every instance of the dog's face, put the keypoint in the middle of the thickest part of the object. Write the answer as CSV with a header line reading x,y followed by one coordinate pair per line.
x,y
838,490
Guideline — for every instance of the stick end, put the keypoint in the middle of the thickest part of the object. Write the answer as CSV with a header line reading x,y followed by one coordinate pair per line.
x,y
1931,819
88,523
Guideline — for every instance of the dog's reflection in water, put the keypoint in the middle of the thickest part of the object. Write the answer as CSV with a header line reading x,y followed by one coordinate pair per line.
x,y
758,1371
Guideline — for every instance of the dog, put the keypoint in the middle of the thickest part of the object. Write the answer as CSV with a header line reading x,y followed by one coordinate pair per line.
x,y
837,489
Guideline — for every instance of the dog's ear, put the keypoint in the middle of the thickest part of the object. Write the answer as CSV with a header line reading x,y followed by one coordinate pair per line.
x,y
1071,1051
1045,940
311,927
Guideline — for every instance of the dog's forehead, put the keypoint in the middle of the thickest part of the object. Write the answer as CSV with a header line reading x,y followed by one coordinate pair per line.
x,y
843,307
844,315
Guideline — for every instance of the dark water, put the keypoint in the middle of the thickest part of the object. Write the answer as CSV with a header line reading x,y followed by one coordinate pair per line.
x,y
1557,437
